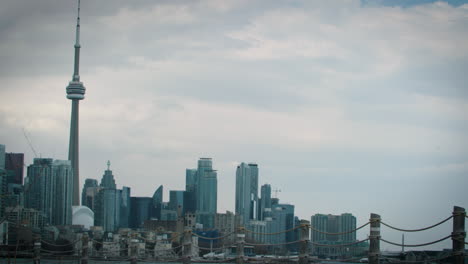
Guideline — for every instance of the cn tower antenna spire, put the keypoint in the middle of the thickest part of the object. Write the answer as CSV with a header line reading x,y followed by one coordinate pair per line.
x,y
76,72
75,92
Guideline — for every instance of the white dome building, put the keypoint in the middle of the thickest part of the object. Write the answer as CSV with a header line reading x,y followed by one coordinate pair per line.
x,y
82,215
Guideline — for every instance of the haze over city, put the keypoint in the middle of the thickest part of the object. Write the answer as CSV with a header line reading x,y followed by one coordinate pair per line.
x,y
346,106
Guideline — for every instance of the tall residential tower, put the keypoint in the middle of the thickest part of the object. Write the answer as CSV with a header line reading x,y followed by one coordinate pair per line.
x,y
75,92
247,192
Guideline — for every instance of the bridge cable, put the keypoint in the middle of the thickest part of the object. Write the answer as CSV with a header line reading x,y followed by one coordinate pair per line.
x,y
417,245
417,230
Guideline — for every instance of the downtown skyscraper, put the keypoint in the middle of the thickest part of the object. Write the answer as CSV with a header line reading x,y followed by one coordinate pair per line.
x,y
247,192
75,92
206,193
201,192
48,189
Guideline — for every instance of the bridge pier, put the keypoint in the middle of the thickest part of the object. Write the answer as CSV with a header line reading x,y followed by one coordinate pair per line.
x,y
240,245
374,239
37,251
304,244
458,235
187,246
84,249
133,251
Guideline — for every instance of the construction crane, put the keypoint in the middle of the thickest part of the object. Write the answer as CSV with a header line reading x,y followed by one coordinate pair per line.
x,y
29,142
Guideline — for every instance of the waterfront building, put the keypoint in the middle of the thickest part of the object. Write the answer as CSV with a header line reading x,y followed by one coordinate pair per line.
x,y
190,203
107,202
75,92
49,188
3,180
206,193
176,201
63,174
2,156
168,215
11,179
190,198
140,211
107,210
264,209
226,224
14,163
190,179
124,207
257,230
14,195
3,191
247,192
89,183
333,224
90,197
282,219
157,203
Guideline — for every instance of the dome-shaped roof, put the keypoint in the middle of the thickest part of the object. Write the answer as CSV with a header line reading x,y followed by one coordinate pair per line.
x,y
82,215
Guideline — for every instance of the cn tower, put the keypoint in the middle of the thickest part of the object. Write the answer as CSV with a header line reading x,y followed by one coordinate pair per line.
x,y
75,92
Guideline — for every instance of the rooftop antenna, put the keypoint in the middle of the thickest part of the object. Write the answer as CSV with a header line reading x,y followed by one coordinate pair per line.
x,y
76,74
108,165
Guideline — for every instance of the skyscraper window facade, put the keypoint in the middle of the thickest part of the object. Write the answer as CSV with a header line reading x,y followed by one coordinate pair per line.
x,y
14,163
206,193
333,224
49,189
264,209
247,192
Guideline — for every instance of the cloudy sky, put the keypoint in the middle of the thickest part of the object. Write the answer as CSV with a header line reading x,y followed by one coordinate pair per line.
x,y
346,105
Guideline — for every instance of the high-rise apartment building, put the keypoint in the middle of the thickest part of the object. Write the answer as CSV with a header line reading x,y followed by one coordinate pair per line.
x,y
190,200
140,211
264,209
282,219
107,209
125,207
176,201
89,183
247,192
49,189
333,224
107,204
157,203
63,174
190,179
14,163
206,192
2,156
3,181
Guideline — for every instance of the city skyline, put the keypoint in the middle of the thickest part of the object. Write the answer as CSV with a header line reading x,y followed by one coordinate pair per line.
x,y
376,114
